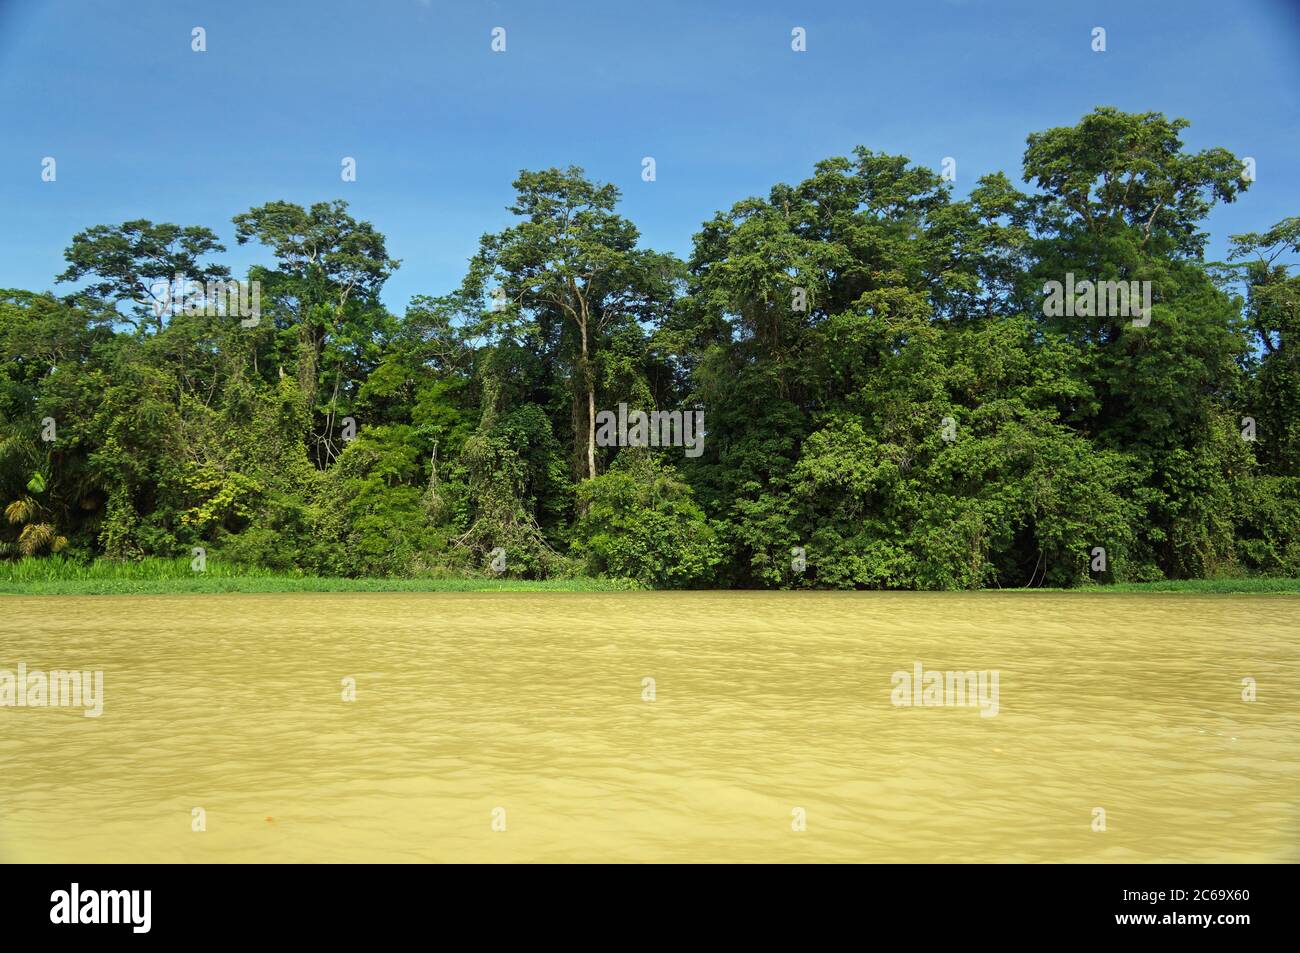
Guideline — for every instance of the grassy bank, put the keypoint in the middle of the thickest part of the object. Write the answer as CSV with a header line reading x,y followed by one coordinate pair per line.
x,y
1248,584
55,576
59,577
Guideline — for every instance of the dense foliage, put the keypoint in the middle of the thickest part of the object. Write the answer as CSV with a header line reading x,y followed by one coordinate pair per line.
x,y
887,402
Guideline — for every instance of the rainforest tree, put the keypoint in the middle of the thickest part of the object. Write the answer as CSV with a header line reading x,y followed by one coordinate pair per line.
x,y
890,397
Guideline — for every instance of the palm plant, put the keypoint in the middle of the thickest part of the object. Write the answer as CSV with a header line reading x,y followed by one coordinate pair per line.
x,y
37,535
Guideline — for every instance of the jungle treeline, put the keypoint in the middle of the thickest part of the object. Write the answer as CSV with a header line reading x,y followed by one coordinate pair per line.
x,y
886,402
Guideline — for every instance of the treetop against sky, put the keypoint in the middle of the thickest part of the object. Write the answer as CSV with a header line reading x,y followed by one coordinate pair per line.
x,y
440,105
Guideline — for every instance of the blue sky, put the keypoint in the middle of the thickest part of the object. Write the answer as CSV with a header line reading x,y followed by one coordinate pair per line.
x,y
143,127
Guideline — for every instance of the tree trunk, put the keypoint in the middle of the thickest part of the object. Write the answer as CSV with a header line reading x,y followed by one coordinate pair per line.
x,y
591,429
591,398
307,364
578,419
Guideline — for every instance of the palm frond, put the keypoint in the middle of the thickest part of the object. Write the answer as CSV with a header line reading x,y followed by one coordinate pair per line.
x,y
34,538
20,510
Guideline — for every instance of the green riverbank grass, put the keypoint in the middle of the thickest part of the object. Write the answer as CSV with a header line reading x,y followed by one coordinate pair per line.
x,y
55,576
58,577
1244,585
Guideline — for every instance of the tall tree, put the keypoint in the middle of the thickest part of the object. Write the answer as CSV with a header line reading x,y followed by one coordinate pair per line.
x,y
330,271
1273,313
574,261
132,260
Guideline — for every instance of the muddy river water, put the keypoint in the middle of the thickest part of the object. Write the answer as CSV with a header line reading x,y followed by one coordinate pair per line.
x,y
651,726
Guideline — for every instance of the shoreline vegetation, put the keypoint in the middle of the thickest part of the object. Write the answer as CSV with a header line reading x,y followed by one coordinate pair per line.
x,y
59,577
867,380
55,576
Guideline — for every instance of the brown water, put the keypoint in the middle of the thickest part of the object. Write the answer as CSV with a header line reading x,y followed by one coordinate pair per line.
x,y
529,711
